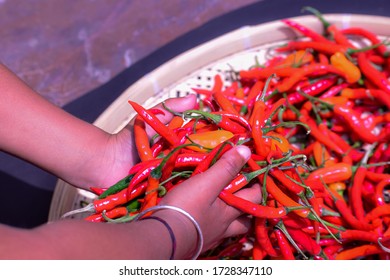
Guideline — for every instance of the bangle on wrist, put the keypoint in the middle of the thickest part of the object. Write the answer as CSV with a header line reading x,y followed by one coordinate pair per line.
x,y
200,240
170,231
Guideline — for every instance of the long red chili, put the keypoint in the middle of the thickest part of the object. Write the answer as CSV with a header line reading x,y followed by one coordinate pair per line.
x,y
224,121
262,236
313,89
251,208
120,198
371,73
284,246
306,31
304,240
155,123
359,251
356,192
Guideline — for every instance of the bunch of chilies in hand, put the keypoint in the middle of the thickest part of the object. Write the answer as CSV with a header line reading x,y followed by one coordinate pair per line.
x,y
316,117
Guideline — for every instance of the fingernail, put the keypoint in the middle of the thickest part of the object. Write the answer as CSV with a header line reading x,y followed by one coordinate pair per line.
x,y
244,151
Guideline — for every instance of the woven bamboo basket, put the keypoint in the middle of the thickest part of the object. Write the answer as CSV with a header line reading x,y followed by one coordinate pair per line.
x,y
238,49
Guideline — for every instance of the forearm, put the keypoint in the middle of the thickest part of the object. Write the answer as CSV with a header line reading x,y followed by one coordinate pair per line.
x,y
76,239
40,132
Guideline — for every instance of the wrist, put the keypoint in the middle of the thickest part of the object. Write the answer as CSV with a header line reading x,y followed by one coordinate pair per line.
x,y
184,231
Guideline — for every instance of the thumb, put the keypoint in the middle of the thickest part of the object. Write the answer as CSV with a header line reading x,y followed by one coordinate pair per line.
x,y
223,171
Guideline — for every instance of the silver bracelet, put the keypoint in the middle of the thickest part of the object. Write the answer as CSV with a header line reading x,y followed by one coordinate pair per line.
x,y
185,213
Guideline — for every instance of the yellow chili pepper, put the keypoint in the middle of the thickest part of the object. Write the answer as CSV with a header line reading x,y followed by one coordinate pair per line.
x,y
352,72
208,139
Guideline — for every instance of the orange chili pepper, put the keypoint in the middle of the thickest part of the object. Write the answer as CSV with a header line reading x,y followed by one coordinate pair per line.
x,y
331,174
279,141
298,58
322,156
208,139
142,140
351,71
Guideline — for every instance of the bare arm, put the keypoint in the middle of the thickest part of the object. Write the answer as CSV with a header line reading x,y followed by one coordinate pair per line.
x,y
38,131
145,239
82,154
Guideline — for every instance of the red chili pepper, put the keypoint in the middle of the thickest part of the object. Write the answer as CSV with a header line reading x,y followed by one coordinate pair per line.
x,y
155,123
214,154
264,73
372,74
358,252
112,214
378,211
379,189
258,253
358,235
306,70
284,199
234,117
189,160
284,245
354,122
222,120
339,37
332,250
142,174
304,240
321,47
357,31
120,198
331,174
251,208
346,148
258,121
319,135
254,92
356,192
364,93
243,179
289,184
347,214
306,31
312,90
221,99
333,91
262,237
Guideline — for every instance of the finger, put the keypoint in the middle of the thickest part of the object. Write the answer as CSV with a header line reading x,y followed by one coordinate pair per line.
x,y
223,171
252,194
239,226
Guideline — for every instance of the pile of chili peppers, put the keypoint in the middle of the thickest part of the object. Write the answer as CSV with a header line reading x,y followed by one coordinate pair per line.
x,y
316,117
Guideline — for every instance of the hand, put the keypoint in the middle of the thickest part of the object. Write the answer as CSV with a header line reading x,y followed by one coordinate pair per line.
x,y
199,197
120,153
